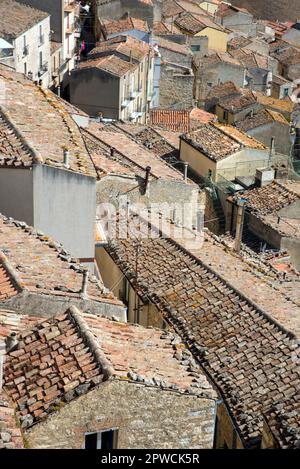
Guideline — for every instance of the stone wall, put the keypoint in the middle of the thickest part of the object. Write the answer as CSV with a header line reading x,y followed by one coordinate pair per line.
x,y
146,417
180,82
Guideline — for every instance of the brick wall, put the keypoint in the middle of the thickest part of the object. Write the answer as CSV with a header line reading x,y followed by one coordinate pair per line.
x,y
146,417
182,87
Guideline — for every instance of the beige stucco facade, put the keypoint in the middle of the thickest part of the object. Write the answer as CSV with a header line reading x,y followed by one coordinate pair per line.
x,y
242,163
217,40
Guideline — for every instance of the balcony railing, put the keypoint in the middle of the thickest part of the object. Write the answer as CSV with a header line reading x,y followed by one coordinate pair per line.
x,y
43,69
25,51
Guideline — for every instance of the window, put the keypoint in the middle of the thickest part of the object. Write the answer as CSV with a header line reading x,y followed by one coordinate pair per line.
x,y
225,116
195,48
25,68
105,440
41,60
286,92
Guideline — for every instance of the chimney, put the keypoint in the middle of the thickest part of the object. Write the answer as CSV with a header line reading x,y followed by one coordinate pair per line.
x,y
148,171
2,358
85,283
112,152
130,56
186,165
264,176
66,159
239,224
11,342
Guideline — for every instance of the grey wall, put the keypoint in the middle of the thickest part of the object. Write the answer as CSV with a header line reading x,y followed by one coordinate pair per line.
x,y
65,208
281,133
217,74
115,9
240,22
94,91
16,194
160,191
176,58
55,8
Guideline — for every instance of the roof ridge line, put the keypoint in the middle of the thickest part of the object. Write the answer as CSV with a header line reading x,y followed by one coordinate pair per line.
x,y
6,117
122,154
18,284
90,340
202,264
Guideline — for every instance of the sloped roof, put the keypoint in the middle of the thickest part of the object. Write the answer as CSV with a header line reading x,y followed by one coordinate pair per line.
x,y
110,63
16,18
249,357
36,127
125,24
32,261
125,45
69,354
263,117
218,141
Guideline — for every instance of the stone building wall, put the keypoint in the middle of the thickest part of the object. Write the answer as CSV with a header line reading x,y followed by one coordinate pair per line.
x,y
146,417
181,84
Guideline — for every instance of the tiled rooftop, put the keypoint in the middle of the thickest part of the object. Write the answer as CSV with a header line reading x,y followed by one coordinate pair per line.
x,y
132,154
24,18
10,434
125,45
237,103
125,24
281,105
36,127
263,117
63,357
194,23
218,141
110,63
34,262
162,28
250,358
183,49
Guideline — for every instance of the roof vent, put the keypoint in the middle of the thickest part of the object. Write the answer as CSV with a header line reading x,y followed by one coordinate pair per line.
x,y
66,159
11,342
85,283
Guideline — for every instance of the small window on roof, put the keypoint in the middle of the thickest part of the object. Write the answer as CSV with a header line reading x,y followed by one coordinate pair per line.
x,y
196,48
104,440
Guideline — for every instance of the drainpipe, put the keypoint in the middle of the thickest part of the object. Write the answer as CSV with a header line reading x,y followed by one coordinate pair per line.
x,y
272,151
239,224
2,358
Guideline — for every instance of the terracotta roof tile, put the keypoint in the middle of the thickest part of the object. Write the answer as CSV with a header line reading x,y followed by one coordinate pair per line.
x,y
125,45
249,357
37,126
10,434
125,24
41,265
63,357
218,141
24,18
111,64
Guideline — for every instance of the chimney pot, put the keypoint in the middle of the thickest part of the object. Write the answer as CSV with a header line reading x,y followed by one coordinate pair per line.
x,y
11,342
66,159
85,283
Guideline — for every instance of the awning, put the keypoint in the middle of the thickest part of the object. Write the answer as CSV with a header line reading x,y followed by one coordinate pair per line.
x,y
5,45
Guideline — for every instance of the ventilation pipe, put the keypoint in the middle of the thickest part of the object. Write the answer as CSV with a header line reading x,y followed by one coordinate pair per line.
x,y
11,342
112,152
148,171
66,159
85,283
239,224
186,166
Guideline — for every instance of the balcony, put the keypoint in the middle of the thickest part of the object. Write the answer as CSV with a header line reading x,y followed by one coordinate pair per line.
x,y
43,69
135,115
41,40
70,29
134,94
25,51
